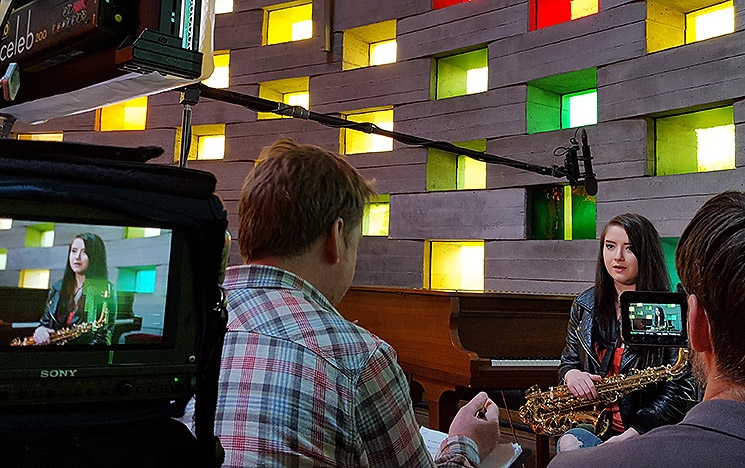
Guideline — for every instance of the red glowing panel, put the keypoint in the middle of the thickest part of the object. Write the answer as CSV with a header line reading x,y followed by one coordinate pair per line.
x,y
551,12
437,4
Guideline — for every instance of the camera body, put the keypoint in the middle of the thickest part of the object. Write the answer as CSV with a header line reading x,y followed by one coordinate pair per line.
x,y
654,318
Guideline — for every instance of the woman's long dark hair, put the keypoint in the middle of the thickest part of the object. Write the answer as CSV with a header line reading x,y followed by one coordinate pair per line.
x,y
97,269
652,276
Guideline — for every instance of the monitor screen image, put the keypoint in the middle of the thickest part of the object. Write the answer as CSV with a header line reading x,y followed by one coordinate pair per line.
x,y
72,285
655,319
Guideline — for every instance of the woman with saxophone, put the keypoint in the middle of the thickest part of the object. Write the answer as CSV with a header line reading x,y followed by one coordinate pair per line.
x,y
630,258
81,307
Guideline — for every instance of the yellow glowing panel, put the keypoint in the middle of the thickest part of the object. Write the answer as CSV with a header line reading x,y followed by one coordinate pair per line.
x,y
223,6
568,212
220,77
3,259
40,136
302,30
457,265
361,142
47,238
130,115
211,147
375,220
151,232
582,8
716,148
383,52
6,223
298,99
34,279
471,174
477,80
710,22
289,24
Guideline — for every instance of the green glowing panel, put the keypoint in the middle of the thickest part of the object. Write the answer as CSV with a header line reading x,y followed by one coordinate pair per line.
x,y
579,109
447,171
3,258
669,244
39,235
453,74
562,212
376,217
543,111
695,142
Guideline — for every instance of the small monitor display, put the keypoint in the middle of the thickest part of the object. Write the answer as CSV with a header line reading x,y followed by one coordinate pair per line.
x,y
654,318
73,285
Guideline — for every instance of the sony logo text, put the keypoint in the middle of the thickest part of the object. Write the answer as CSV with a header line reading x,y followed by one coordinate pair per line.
x,y
59,373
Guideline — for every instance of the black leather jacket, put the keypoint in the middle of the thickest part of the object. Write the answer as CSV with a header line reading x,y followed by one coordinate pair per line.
x,y
101,335
654,405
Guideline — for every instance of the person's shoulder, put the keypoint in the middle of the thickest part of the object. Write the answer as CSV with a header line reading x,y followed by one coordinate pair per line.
x,y
586,298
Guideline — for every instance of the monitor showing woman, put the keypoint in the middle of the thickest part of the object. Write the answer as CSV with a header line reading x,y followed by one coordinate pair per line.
x,y
81,307
630,258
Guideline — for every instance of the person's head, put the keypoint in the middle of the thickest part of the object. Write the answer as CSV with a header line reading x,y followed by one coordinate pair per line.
x,y
86,256
710,260
294,197
630,258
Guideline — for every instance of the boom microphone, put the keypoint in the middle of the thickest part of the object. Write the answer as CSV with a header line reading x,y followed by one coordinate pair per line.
x,y
591,183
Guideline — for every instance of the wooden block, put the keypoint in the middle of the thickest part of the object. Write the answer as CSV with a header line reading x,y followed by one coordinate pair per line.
x,y
363,88
676,78
460,26
401,156
482,115
253,65
353,14
542,260
239,29
467,214
387,262
163,138
80,122
536,286
668,201
618,150
607,37
404,178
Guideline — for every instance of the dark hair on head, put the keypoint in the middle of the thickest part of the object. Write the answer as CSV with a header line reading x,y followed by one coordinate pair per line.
x,y
652,275
292,197
711,263
97,268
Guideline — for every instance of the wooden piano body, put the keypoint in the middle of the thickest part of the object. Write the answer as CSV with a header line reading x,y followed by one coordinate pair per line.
x,y
455,343
22,308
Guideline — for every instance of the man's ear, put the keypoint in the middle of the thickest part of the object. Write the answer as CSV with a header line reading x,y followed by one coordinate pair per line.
x,y
698,322
333,243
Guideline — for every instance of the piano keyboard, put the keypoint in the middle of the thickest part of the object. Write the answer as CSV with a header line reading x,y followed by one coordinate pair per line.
x,y
525,362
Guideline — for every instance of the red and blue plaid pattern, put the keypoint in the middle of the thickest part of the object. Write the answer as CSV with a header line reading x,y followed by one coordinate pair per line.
x,y
300,386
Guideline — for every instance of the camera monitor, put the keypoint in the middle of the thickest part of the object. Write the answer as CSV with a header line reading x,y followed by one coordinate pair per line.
x,y
654,318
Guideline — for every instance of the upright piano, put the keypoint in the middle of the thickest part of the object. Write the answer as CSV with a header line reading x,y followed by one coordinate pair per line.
x,y
456,343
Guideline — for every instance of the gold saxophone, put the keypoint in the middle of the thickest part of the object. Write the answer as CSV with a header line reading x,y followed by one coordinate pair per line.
x,y
556,410
63,335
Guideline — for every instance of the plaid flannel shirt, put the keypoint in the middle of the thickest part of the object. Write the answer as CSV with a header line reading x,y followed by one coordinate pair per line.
x,y
301,386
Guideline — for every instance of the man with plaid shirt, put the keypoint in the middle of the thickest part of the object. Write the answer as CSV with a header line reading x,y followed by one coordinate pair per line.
x,y
299,385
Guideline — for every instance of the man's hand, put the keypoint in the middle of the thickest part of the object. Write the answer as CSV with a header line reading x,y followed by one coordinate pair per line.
x,y
627,434
41,335
479,421
582,384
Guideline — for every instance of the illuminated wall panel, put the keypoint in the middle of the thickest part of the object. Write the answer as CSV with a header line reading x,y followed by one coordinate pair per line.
x,y
669,27
353,141
461,74
370,45
696,142
140,279
710,22
291,91
437,4
223,6
3,258
550,12
562,212
129,115
6,223
39,235
447,171
376,217
562,101
456,265
34,279
131,232
40,136
289,24
220,77
207,142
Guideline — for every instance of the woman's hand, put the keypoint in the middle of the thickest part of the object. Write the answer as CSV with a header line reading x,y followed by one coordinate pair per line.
x,y
41,335
582,384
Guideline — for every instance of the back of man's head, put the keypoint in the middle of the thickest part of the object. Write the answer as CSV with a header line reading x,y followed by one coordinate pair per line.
x,y
710,260
292,197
